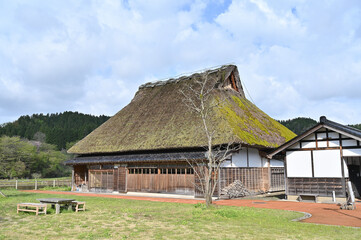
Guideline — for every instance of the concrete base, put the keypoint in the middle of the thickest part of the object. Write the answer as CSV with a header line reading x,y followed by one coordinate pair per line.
x,y
159,195
319,199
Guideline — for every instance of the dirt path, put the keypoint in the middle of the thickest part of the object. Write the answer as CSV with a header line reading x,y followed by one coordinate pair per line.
x,y
321,213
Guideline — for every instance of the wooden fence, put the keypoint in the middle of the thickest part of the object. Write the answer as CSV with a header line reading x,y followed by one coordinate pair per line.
x,y
254,179
277,179
34,184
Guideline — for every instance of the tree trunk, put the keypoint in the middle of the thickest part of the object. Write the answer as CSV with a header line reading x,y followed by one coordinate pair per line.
x,y
208,200
208,190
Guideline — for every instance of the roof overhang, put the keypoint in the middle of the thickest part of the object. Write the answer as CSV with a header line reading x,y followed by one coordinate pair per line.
x,y
131,158
342,129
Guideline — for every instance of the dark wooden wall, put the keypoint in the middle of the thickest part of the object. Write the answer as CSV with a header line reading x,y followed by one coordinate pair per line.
x,y
277,179
254,179
321,186
170,180
121,179
79,174
101,180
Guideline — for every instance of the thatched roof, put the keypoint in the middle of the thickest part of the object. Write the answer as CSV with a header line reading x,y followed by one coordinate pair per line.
x,y
157,119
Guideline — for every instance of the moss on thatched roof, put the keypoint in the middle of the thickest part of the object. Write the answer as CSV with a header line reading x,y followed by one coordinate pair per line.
x,y
158,119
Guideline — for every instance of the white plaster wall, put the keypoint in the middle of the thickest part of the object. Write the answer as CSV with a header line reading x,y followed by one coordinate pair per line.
x,y
308,144
295,146
264,162
334,143
349,143
345,169
321,136
310,137
298,164
277,163
322,144
333,135
255,159
327,163
240,159
351,152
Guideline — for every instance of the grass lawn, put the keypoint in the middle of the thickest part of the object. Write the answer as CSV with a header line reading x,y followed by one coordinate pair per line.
x,y
108,218
33,180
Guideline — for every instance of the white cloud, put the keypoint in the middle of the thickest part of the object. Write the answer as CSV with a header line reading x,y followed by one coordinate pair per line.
x,y
297,58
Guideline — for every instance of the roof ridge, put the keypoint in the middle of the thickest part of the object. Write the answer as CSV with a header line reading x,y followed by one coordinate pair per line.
x,y
327,121
184,76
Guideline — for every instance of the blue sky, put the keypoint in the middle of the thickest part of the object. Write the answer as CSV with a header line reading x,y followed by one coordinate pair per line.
x,y
296,58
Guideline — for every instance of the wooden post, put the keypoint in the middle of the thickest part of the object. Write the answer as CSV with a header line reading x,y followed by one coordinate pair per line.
x,y
342,167
72,179
285,175
36,184
16,184
54,183
269,175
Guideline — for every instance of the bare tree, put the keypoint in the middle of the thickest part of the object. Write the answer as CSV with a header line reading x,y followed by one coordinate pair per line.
x,y
197,96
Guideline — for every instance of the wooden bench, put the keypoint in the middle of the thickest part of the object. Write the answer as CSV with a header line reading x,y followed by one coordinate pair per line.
x,y
307,197
79,206
38,208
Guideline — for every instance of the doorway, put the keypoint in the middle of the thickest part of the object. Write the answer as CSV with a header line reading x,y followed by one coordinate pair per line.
x,y
354,171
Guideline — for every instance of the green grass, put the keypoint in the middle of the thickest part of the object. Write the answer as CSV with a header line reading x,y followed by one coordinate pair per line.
x,y
60,188
39,179
108,218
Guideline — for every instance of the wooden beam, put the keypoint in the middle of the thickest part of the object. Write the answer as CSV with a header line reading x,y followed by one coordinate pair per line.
x,y
247,157
312,165
234,85
72,179
285,176
342,167
327,138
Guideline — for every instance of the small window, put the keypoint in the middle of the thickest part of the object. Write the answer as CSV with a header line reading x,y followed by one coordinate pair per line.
x,y
153,171
95,167
163,171
190,171
107,166
136,171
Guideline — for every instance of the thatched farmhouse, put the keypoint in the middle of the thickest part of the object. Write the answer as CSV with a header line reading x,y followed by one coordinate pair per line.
x,y
320,161
147,146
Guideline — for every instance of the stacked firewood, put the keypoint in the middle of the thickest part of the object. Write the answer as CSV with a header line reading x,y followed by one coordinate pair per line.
x,y
235,190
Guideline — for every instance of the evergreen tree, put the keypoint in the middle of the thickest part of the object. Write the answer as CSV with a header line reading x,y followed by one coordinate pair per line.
x,y
298,125
58,129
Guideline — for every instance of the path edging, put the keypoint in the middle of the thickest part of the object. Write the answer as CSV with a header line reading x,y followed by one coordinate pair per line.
x,y
305,216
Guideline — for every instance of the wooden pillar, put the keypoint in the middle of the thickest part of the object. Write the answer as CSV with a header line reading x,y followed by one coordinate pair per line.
x,y
115,179
285,175
343,181
72,180
269,174
122,178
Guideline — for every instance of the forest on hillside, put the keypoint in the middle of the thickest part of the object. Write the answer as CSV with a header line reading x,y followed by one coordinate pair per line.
x,y
59,129
35,146
21,158
301,124
298,125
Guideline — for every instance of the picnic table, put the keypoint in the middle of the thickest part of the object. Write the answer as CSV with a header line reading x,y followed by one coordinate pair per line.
x,y
57,202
